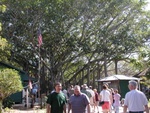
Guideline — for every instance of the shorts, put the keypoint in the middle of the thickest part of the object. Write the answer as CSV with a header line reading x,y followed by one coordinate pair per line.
x,y
106,105
96,103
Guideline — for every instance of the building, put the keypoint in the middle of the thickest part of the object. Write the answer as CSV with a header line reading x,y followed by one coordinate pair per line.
x,y
119,82
17,97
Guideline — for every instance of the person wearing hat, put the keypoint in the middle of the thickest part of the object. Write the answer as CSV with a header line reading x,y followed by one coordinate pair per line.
x,y
92,99
84,90
135,100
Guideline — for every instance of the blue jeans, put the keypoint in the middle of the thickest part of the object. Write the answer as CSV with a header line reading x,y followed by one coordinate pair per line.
x,y
116,109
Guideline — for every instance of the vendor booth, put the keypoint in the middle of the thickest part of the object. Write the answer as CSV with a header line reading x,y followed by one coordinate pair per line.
x,y
119,82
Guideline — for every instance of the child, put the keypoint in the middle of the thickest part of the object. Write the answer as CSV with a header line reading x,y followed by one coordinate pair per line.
x,y
116,101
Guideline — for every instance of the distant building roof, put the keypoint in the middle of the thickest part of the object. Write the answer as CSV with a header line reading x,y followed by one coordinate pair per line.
x,y
10,66
117,77
23,74
143,73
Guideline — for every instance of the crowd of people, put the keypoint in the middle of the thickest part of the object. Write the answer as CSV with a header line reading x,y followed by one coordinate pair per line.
x,y
84,99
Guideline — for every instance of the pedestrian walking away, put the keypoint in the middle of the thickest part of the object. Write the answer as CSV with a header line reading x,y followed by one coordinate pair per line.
x,y
116,104
85,91
92,98
105,96
96,101
135,100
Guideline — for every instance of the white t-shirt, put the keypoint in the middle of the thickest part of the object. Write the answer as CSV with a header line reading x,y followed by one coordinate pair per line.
x,y
135,100
105,94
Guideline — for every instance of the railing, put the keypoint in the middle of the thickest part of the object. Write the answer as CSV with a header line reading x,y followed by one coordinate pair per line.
x,y
26,94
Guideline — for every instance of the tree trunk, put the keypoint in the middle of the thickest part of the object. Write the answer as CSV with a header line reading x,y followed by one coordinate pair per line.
x,y
105,66
1,110
82,81
116,67
88,75
94,78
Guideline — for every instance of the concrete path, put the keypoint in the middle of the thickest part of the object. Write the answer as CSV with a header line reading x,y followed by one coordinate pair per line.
x,y
36,109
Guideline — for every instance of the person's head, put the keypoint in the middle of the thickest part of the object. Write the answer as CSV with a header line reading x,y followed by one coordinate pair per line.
x,y
116,91
107,85
132,85
71,86
85,86
90,87
77,90
81,87
104,86
95,90
58,87
112,90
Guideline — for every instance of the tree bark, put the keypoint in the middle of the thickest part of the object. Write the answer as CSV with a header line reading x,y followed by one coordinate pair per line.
x,y
116,67
105,66
88,75
1,110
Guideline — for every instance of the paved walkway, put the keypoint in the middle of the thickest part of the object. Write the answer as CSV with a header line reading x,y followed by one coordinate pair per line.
x,y
21,109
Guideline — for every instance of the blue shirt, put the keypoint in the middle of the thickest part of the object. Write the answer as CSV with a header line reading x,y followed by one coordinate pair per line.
x,y
79,103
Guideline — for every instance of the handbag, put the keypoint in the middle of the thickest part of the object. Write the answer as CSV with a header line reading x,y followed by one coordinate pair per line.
x,y
102,102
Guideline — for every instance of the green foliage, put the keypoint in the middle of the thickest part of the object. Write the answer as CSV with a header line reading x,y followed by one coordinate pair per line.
x,y
73,31
7,102
3,44
141,61
145,81
10,82
136,63
2,9
4,49
0,26
148,75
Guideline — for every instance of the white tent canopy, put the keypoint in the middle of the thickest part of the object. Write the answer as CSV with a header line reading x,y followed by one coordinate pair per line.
x,y
118,77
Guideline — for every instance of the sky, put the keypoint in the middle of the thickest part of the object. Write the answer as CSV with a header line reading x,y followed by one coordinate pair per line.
x,y
148,6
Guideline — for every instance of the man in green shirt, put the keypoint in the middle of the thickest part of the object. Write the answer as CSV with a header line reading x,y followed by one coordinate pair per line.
x,y
56,102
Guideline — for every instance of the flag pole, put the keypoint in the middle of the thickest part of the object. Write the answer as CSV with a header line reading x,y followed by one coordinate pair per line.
x,y
39,66
39,76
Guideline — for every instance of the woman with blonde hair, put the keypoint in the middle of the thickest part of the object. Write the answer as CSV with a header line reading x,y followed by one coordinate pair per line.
x,y
96,100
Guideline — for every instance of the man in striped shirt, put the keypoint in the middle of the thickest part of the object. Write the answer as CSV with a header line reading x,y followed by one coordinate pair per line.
x,y
78,102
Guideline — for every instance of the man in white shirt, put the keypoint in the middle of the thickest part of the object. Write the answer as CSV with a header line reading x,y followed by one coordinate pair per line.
x,y
135,100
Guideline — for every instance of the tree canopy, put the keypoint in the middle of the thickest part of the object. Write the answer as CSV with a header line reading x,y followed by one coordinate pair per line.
x,y
10,83
77,35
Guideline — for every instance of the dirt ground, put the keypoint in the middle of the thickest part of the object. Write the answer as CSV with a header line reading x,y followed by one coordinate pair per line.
x,y
26,111
21,109
37,109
